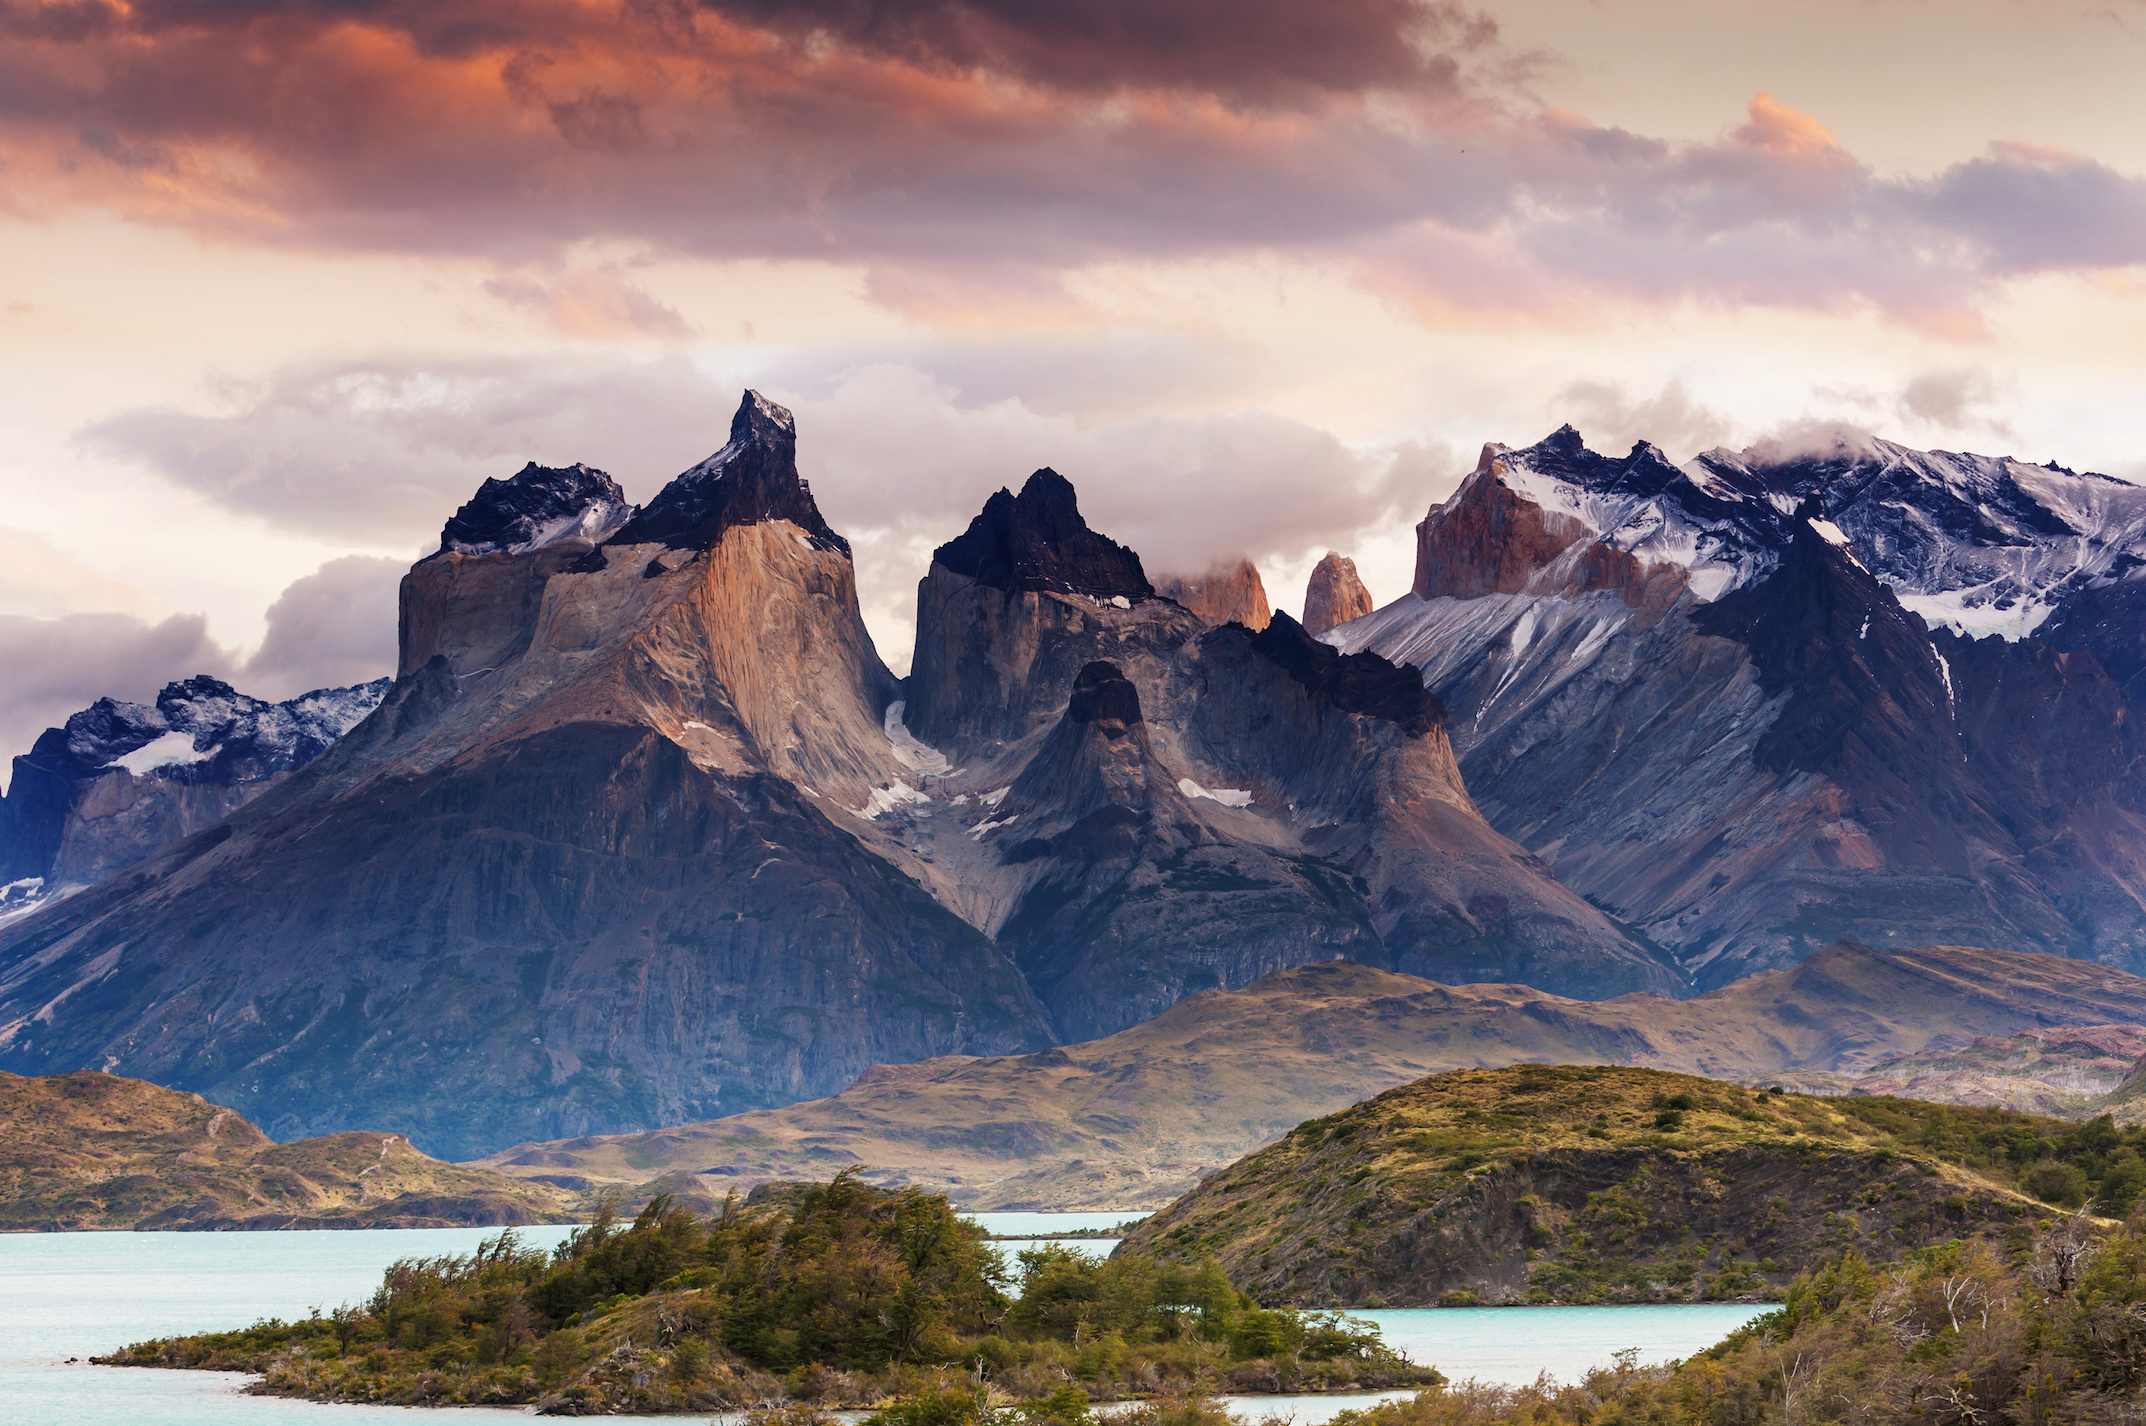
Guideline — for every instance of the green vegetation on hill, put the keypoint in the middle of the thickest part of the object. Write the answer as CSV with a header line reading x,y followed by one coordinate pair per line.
x,y
832,1294
89,1150
1962,1333
1606,1184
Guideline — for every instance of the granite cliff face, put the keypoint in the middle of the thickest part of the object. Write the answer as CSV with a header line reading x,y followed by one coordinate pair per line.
x,y
1225,594
1335,594
591,862
121,780
1756,703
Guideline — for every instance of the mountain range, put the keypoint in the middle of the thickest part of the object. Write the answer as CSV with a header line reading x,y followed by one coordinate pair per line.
x,y
644,832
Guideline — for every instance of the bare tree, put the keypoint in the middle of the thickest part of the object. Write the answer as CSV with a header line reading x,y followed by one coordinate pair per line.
x,y
2062,1253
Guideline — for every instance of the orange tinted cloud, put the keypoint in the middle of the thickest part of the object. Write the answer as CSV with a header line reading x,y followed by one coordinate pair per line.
x,y
916,135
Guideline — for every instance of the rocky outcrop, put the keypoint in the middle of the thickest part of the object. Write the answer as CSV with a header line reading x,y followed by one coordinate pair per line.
x,y
1335,594
539,505
121,780
1224,594
751,480
1037,542
595,861
1775,747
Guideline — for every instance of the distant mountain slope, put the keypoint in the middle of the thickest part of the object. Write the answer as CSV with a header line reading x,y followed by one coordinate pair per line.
x,y
122,780
1708,696
589,865
88,1150
1134,1119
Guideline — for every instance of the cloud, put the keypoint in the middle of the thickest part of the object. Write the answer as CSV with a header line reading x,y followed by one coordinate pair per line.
x,y
1612,420
332,628
38,580
381,451
591,302
56,667
1954,399
933,141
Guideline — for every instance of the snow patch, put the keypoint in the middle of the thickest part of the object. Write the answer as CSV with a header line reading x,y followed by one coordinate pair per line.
x,y
913,752
993,799
977,832
886,799
1944,671
1119,601
1227,796
1864,632
1831,533
174,749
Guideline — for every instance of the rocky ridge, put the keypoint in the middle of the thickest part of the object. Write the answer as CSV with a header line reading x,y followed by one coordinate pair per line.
x,y
120,780
1818,760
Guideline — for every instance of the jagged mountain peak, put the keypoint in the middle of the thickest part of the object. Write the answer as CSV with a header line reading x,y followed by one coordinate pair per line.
x,y
1229,591
1038,541
1334,595
536,506
753,478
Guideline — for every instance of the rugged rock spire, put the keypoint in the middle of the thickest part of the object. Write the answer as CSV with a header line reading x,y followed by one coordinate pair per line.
x,y
1226,593
535,506
751,479
1037,541
1334,595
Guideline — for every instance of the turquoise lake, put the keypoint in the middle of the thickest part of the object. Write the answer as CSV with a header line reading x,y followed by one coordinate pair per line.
x,y
76,1294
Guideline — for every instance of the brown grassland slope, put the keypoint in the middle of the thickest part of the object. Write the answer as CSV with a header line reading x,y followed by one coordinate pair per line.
x,y
1133,1120
1609,1184
91,1150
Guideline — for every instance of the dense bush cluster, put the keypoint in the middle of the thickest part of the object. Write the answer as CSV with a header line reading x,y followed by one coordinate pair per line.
x,y
1960,1334
836,1293
2068,1165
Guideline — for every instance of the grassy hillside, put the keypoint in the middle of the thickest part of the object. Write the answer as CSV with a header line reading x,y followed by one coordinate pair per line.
x,y
833,1294
89,1150
1133,1120
1603,1184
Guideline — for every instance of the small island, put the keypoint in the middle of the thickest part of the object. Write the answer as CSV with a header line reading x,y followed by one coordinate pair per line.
x,y
827,1295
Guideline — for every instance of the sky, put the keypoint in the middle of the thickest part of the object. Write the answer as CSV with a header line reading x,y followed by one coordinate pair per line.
x,y
281,281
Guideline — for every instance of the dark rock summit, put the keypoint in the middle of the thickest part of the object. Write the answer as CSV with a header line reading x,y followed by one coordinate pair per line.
x,y
1101,694
1356,683
751,479
536,505
1037,541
